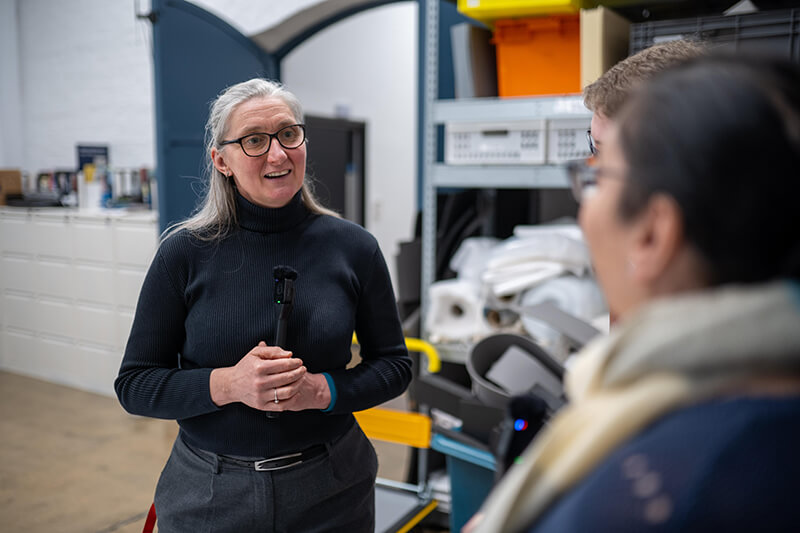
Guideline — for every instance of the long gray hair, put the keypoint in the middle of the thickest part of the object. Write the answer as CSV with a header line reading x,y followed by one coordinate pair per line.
x,y
217,214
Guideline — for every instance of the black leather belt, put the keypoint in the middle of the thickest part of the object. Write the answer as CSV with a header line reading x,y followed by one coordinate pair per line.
x,y
276,463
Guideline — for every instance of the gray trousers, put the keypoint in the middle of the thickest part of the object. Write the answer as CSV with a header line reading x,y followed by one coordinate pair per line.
x,y
332,492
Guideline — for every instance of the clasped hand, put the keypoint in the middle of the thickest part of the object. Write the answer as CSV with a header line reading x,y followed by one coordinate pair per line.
x,y
267,372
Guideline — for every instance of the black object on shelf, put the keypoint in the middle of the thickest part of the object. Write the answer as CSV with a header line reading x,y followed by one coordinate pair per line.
x,y
336,162
34,200
776,31
651,10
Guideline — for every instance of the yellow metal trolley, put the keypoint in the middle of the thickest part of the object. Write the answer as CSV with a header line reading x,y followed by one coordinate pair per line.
x,y
401,506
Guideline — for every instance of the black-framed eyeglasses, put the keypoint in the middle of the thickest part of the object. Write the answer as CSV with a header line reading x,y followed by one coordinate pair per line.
x,y
590,140
257,144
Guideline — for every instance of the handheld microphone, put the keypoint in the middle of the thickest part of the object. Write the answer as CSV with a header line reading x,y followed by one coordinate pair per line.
x,y
283,296
526,414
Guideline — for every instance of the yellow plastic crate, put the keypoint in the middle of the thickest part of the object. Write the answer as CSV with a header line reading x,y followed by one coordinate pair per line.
x,y
411,429
489,10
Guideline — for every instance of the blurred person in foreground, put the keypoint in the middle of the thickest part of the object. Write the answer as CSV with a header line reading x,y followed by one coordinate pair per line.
x,y
267,440
686,417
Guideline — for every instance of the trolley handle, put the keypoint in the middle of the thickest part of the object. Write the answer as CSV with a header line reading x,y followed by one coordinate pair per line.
x,y
423,347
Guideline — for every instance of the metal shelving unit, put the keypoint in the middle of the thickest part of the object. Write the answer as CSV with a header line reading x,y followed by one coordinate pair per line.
x,y
437,174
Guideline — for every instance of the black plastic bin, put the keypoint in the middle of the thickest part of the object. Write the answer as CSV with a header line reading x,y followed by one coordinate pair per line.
x,y
776,31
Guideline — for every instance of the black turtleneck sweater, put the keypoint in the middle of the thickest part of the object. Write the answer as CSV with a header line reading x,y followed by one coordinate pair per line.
x,y
204,305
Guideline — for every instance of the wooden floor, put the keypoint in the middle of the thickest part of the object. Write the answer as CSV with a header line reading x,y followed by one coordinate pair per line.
x,y
73,461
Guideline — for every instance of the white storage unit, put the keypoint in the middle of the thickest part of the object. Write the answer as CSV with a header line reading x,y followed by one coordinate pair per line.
x,y
69,282
519,142
498,143
567,139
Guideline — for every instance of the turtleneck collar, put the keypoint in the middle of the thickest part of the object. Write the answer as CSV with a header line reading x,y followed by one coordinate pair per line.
x,y
253,217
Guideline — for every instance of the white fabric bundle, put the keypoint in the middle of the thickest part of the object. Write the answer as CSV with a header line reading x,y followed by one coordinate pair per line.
x,y
469,261
535,254
540,263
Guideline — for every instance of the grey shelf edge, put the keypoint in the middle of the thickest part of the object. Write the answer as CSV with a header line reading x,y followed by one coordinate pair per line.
x,y
502,109
500,177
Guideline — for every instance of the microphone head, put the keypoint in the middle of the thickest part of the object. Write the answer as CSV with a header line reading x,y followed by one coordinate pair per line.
x,y
282,272
284,284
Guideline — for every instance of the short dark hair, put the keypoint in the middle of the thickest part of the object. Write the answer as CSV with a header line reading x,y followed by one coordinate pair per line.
x,y
721,135
607,94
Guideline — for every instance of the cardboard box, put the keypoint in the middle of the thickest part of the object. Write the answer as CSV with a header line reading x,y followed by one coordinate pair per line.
x,y
604,42
10,183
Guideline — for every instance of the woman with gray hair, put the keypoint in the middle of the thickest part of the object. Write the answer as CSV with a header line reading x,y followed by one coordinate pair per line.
x,y
265,411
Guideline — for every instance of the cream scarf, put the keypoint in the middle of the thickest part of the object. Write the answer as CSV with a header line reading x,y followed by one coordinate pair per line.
x,y
673,353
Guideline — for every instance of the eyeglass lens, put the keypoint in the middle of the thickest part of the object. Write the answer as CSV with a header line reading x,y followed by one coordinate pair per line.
x,y
581,178
257,144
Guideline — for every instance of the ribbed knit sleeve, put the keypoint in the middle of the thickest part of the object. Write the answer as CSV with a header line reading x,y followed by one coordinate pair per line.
x,y
150,382
385,368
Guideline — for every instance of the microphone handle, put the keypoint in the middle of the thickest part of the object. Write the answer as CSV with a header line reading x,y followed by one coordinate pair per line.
x,y
283,321
280,337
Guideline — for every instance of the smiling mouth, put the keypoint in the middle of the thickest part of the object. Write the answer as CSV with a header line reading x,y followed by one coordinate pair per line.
x,y
275,175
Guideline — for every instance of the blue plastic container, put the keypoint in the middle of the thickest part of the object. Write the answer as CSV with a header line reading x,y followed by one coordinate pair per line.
x,y
471,473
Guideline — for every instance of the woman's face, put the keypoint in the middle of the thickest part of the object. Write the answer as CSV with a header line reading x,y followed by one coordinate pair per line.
x,y
271,179
609,238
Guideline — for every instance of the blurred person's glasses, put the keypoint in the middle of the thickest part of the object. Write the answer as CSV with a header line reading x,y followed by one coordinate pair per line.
x,y
583,176
590,140
258,144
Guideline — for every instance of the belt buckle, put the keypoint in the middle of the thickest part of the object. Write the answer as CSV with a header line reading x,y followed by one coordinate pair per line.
x,y
260,465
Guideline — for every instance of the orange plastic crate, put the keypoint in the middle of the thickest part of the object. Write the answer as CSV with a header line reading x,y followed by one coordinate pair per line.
x,y
538,56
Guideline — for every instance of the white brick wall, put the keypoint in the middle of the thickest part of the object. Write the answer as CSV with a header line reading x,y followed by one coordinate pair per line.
x,y
86,77
10,113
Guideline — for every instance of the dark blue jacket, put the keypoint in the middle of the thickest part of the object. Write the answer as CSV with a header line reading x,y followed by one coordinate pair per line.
x,y
725,466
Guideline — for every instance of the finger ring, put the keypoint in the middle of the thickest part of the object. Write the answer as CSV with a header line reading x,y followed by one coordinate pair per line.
x,y
276,395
